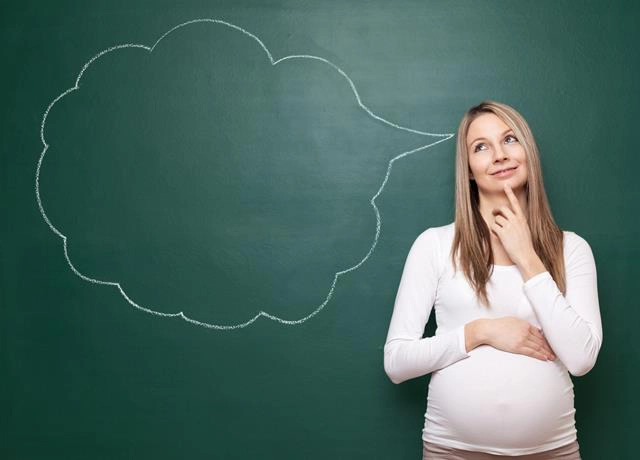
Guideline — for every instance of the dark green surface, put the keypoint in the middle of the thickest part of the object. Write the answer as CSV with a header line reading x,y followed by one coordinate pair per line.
x,y
207,181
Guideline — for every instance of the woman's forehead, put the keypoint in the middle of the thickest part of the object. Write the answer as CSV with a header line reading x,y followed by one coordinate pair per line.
x,y
486,124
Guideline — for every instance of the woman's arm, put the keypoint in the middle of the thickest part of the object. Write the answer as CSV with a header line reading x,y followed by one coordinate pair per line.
x,y
571,324
406,354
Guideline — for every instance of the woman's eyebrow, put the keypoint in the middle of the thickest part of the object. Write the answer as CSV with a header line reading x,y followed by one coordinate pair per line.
x,y
480,138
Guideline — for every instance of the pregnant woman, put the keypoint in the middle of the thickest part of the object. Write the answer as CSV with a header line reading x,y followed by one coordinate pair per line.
x,y
516,305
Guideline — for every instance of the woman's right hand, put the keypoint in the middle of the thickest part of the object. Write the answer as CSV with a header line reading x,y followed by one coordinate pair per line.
x,y
516,335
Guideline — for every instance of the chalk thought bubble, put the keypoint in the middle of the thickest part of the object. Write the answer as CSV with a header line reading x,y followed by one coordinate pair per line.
x,y
208,181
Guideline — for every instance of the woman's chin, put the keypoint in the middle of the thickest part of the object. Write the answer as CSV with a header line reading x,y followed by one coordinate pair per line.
x,y
498,186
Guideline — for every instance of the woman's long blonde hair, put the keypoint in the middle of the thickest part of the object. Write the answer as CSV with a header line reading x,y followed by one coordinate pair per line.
x,y
472,239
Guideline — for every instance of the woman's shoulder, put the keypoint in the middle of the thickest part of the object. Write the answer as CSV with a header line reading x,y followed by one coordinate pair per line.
x,y
435,241
437,234
572,239
575,245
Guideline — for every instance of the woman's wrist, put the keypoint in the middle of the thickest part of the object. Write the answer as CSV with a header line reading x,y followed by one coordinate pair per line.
x,y
476,333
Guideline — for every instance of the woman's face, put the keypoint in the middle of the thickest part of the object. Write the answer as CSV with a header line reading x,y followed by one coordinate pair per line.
x,y
492,147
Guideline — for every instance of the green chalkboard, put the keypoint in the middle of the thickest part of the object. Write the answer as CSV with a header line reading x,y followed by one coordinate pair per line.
x,y
207,208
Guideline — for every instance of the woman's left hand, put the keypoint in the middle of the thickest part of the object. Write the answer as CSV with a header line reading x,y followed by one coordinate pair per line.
x,y
511,227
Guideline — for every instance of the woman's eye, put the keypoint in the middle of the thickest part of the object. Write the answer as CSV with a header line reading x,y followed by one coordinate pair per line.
x,y
512,137
477,147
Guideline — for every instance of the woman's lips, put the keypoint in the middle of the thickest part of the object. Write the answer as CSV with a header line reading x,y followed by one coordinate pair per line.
x,y
505,173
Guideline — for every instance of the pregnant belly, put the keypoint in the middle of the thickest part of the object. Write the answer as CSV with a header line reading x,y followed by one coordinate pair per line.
x,y
500,399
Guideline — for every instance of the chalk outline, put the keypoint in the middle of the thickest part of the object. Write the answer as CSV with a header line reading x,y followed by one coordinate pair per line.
x,y
445,137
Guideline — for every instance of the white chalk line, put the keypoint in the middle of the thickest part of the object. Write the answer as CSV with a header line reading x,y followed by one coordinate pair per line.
x,y
181,314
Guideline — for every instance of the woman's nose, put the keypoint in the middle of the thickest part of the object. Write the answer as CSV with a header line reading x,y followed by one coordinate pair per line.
x,y
499,153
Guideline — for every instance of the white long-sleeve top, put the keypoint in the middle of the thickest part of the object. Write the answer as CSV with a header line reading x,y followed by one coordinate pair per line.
x,y
486,399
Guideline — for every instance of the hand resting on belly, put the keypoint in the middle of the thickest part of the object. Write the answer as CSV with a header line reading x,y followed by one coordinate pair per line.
x,y
511,334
